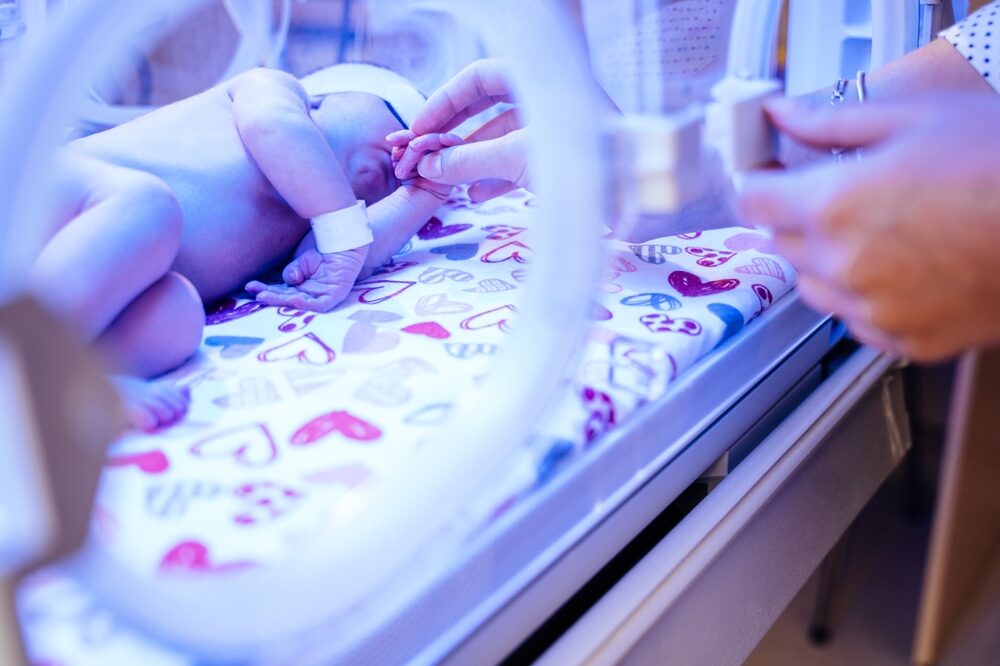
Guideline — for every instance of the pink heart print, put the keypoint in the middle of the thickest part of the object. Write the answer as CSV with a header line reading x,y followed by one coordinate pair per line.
x,y
495,317
380,291
661,323
435,229
515,250
250,445
150,462
363,338
503,231
194,557
763,266
691,285
750,241
431,329
265,501
710,258
345,423
307,349
438,304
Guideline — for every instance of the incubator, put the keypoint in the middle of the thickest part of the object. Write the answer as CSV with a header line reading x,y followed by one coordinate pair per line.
x,y
519,438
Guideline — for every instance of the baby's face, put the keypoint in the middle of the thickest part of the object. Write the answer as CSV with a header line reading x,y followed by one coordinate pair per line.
x,y
356,125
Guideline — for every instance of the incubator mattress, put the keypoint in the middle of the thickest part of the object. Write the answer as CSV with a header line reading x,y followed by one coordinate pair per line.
x,y
293,410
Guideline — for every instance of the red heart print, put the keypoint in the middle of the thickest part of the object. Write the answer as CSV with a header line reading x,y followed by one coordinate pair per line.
x,y
435,229
251,445
380,291
502,231
227,310
307,349
490,318
601,413
764,296
515,250
661,323
692,285
150,462
343,422
290,324
392,266
710,258
763,266
621,265
193,557
431,329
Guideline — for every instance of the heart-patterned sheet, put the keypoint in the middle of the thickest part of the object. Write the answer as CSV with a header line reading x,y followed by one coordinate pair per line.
x,y
292,411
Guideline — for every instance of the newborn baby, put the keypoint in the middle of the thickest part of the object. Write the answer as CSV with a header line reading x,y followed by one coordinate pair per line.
x,y
189,202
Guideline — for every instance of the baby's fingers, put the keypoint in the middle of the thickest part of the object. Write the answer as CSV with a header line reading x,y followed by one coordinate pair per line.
x,y
400,138
422,145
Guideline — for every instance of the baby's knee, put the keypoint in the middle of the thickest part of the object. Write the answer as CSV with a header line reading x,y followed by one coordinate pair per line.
x,y
188,307
182,333
155,206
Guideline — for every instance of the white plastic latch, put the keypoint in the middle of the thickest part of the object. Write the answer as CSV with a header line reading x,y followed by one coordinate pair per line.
x,y
737,127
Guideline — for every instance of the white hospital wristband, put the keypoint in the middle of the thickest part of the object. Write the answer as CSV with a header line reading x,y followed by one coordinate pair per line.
x,y
341,230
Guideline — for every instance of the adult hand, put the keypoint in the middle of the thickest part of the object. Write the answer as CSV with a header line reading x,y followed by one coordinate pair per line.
x,y
904,244
494,157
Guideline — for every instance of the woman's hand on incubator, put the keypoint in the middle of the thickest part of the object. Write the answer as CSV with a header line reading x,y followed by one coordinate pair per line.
x,y
902,243
493,158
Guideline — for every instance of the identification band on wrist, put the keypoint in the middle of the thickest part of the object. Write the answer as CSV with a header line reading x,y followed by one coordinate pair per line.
x,y
837,97
342,230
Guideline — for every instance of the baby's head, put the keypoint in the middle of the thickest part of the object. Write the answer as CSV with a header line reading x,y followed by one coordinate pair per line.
x,y
356,106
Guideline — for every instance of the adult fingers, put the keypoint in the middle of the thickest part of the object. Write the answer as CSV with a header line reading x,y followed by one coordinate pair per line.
x,y
505,123
481,80
841,126
503,159
485,190
420,147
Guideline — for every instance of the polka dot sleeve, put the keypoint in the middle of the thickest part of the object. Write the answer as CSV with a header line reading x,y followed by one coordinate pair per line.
x,y
978,39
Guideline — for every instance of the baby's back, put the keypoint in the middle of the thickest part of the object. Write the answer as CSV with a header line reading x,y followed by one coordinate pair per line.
x,y
235,224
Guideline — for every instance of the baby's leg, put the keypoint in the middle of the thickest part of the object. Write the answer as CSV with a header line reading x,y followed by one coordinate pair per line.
x,y
106,273
122,239
158,331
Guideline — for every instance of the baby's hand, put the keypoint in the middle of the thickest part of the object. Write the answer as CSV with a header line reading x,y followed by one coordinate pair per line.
x,y
408,149
314,281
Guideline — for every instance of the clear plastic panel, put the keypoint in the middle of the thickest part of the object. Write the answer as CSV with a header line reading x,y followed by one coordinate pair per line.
x,y
359,561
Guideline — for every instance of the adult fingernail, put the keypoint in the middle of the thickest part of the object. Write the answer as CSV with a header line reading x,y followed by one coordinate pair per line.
x,y
430,166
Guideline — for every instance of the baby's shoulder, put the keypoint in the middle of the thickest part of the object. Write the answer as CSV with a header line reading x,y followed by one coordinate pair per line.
x,y
263,77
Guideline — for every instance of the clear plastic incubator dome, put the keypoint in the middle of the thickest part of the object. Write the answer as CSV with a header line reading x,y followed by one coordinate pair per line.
x,y
375,484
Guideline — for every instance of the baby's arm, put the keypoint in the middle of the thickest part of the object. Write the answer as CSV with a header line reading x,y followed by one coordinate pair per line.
x,y
394,220
271,113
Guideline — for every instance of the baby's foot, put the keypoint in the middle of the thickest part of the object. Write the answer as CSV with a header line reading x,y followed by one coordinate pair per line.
x,y
152,405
